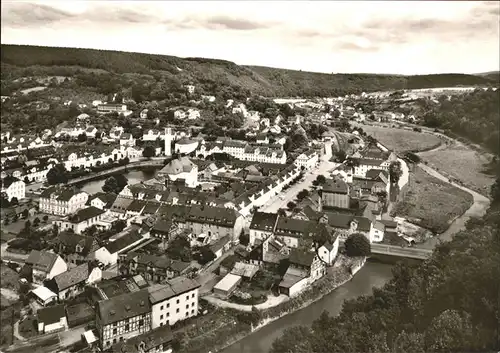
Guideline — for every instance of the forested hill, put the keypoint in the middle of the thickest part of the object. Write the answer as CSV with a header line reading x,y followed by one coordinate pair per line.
x,y
17,59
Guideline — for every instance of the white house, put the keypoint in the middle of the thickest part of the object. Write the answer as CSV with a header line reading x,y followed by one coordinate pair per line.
x,y
144,114
81,220
45,265
62,201
186,146
52,318
175,301
307,159
180,114
328,251
151,135
181,168
108,255
13,187
72,282
127,140
193,114
91,131
262,226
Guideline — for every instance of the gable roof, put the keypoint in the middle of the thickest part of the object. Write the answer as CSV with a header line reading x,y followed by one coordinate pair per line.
x,y
72,277
302,258
51,314
264,221
174,287
336,186
178,166
123,306
107,197
123,242
85,214
42,260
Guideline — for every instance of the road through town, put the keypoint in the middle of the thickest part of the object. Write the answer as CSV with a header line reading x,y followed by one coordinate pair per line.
x,y
281,200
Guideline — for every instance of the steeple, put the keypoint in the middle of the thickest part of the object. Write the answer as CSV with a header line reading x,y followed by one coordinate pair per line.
x,y
168,141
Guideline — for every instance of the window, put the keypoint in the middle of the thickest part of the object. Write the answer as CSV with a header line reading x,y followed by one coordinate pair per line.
x,y
177,301
121,339
141,322
168,314
192,295
192,304
177,310
114,331
114,340
192,312
168,305
161,317
108,343
161,324
161,307
187,306
127,327
187,297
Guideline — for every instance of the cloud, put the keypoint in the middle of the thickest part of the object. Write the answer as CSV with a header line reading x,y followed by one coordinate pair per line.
x,y
31,15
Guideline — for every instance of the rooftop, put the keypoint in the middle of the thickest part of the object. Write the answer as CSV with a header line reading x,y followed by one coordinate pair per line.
x,y
123,307
174,287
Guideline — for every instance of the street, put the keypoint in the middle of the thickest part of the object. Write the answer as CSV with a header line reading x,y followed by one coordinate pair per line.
x,y
289,195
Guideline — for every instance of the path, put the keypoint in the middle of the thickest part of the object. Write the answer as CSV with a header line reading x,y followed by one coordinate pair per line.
x,y
271,301
16,332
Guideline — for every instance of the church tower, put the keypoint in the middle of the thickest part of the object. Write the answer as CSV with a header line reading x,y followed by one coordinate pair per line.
x,y
168,142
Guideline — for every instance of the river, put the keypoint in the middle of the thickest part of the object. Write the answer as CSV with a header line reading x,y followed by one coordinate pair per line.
x,y
373,274
133,176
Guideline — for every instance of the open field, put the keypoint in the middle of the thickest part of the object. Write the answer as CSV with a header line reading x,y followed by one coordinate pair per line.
x,y
461,163
432,203
401,140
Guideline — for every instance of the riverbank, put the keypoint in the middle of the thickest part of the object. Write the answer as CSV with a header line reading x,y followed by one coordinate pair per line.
x,y
338,275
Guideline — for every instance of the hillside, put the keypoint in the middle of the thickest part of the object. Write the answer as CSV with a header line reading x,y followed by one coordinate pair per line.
x,y
17,59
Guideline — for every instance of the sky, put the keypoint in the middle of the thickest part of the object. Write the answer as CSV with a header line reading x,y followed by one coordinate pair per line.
x,y
394,37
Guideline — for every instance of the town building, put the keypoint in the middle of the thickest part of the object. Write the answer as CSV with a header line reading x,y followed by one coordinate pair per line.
x,y
175,301
52,319
74,248
262,226
155,269
72,282
13,188
186,146
335,193
308,159
180,168
45,265
81,220
111,107
62,201
123,317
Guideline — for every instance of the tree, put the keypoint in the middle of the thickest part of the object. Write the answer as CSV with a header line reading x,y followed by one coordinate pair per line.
x,y
26,180
4,200
27,225
244,238
82,137
57,175
119,225
339,156
395,172
291,205
14,201
302,194
204,255
351,163
282,212
179,249
36,222
45,218
495,191
115,183
357,245
25,213
321,179
148,152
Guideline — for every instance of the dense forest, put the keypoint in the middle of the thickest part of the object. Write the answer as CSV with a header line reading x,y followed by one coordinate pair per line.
x,y
449,303
475,116
20,61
